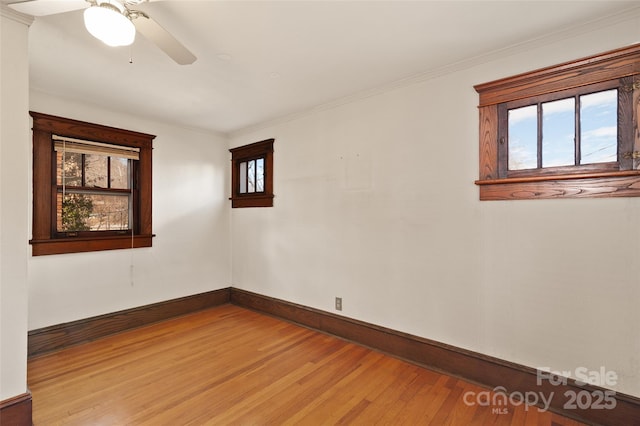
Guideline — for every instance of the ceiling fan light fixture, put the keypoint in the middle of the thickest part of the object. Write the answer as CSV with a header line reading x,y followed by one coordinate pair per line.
x,y
107,23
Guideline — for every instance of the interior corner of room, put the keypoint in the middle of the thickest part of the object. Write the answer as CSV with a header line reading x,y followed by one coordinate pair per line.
x,y
375,223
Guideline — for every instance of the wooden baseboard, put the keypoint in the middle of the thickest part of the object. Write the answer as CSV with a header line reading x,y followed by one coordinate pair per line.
x,y
60,336
472,366
16,411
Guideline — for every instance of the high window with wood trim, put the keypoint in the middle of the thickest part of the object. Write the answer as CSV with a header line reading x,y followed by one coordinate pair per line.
x,y
567,131
252,175
91,187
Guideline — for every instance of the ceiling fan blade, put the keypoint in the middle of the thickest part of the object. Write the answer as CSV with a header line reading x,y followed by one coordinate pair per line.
x,y
46,7
164,40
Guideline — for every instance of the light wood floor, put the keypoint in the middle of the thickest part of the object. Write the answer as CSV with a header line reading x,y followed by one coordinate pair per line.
x,y
228,365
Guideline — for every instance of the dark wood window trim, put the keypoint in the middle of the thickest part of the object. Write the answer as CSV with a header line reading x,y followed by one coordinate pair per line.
x,y
45,239
254,151
571,182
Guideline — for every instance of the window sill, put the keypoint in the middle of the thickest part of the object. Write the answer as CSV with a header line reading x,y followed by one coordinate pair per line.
x,y
586,185
258,200
88,244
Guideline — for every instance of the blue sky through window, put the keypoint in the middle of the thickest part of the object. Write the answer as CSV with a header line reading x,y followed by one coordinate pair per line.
x,y
523,138
599,127
558,130
598,132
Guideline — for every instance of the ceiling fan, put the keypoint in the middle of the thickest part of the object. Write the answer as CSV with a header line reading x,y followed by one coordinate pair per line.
x,y
114,22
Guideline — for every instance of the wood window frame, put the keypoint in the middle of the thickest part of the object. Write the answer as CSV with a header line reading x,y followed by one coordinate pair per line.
x,y
257,150
571,181
45,238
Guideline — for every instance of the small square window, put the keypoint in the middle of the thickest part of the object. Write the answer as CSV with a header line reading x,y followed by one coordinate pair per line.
x,y
252,175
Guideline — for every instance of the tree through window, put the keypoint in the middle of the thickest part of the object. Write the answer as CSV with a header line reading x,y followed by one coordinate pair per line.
x,y
94,186
91,187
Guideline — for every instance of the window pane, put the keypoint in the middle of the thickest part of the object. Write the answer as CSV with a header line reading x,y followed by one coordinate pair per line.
x,y
523,138
243,177
93,212
119,173
251,176
95,169
71,173
558,133
599,127
260,175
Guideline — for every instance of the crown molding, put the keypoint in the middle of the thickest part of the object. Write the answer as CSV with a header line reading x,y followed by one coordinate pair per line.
x,y
21,18
632,13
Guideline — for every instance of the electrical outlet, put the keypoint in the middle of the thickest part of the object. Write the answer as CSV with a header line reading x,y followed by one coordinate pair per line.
x,y
338,303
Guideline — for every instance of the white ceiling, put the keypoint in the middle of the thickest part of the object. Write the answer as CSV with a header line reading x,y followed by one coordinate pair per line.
x,y
260,60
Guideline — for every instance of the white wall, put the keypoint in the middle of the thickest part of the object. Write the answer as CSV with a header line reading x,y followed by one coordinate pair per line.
x,y
375,203
190,253
14,187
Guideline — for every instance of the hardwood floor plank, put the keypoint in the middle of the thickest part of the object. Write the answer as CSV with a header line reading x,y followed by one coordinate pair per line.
x,y
447,408
229,365
335,402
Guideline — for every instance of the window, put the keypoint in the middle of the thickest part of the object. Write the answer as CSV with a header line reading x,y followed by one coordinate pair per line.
x,y
553,132
562,132
252,175
91,187
94,187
